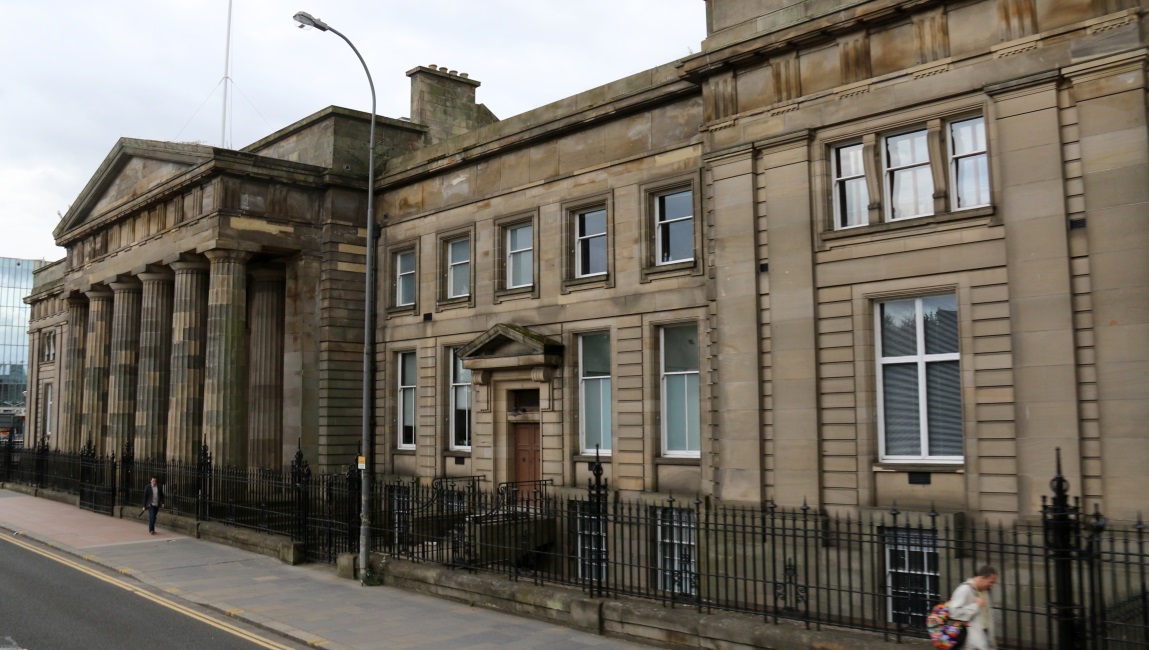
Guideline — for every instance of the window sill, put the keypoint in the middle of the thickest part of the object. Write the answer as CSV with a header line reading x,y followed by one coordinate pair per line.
x,y
669,270
454,303
904,224
677,460
582,284
518,293
920,466
589,458
404,452
456,453
405,310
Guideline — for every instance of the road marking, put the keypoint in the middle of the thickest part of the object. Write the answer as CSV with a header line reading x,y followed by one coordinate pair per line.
x,y
186,611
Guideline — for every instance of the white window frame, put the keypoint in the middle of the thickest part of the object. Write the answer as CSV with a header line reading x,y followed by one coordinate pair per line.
x,y
955,159
590,540
585,242
401,298
660,224
676,550
840,182
907,542
516,255
402,390
921,359
889,172
49,409
458,383
604,386
666,399
452,290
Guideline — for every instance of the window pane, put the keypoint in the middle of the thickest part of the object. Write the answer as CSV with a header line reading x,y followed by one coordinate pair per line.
x,y
853,203
521,269
520,237
972,181
680,349
461,375
913,193
676,418
850,161
968,136
407,369
675,206
596,355
592,223
900,393
677,240
899,328
939,314
408,417
459,251
592,256
596,413
943,395
460,280
406,289
907,149
406,262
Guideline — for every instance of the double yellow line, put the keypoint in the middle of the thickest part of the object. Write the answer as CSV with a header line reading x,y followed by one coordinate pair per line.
x,y
186,611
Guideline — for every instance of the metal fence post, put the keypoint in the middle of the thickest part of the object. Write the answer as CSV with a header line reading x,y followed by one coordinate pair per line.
x,y
1059,519
203,482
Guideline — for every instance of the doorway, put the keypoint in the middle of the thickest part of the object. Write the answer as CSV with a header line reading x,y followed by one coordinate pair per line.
x,y
528,464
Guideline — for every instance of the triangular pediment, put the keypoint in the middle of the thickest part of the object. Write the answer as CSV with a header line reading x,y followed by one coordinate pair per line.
x,y
131,169
510,341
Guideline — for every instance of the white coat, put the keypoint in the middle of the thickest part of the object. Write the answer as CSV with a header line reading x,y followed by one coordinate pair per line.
x,y
964,607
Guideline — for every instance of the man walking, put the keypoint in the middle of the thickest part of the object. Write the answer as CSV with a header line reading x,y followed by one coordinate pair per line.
x,y
971,603
153,501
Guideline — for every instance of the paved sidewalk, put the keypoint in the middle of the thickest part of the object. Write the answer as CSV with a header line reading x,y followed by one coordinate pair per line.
x,y
307,603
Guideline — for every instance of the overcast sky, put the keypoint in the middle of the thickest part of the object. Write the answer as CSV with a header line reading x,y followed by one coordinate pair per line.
x,y
77,74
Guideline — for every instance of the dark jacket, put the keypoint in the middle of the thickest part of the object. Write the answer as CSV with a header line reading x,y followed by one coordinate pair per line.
x,y
148,495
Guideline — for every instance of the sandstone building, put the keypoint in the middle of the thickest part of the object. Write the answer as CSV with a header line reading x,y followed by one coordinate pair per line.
x,y
850,254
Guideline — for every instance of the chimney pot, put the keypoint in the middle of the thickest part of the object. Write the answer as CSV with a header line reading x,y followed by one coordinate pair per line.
x,y
464,75
433,66
453,73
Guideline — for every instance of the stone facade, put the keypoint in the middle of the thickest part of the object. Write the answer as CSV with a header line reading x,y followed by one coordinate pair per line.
x,y
736,233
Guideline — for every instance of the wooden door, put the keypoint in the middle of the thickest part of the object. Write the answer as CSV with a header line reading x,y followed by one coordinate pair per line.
x,y
528,465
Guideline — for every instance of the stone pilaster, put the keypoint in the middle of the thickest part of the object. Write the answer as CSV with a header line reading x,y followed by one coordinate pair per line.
x,y
225,380
736,449
97,351
155,360
72,390
265,370
1111,111
189,329
124,363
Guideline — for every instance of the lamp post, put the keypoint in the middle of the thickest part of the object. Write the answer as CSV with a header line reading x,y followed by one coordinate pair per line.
x,y
307,20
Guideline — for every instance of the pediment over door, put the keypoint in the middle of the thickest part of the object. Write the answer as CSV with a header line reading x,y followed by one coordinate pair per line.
x,y
511,346
131,169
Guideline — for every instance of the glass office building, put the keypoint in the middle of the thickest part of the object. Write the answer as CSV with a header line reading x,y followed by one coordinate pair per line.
x,y
15,285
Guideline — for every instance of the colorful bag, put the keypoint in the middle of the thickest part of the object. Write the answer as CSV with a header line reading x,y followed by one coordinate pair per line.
x,y
945,632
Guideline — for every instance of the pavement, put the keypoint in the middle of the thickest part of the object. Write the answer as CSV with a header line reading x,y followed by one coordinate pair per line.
x,y
306,603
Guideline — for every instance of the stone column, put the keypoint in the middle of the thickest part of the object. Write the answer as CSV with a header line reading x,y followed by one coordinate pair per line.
x,y
265,372
97,349
155,359
72,391
189,327
1112,119
225,380
785,169
124,364
737,439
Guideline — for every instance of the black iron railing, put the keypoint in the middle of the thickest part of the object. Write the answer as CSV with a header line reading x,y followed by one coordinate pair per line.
x,y
1074,581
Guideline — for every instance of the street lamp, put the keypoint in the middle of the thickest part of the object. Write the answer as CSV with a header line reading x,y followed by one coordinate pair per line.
x,y
307,20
